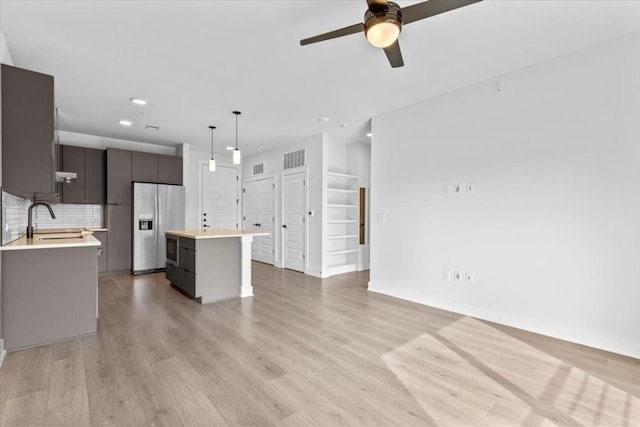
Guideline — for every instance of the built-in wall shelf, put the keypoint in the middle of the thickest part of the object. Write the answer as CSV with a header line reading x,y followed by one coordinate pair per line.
x,y
342,251
342,206
341,241
343,190
345,236
342,175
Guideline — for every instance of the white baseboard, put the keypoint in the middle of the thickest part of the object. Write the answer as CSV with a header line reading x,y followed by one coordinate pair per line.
x,y
318,275
3,352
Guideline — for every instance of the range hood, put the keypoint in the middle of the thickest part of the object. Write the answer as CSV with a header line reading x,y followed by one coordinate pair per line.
x,y
66,176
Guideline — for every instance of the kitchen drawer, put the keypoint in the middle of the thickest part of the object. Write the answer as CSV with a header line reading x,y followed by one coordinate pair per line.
x,y
182,279
187,259
187,243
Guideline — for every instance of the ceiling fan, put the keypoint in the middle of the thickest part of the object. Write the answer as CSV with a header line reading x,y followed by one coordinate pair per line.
x,y
383,22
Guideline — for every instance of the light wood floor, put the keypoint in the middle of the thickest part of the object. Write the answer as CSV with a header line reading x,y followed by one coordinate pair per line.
x,y
308,352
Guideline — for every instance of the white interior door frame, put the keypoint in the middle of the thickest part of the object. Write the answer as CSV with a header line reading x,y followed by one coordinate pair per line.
x,y
280,218
277,260
201,164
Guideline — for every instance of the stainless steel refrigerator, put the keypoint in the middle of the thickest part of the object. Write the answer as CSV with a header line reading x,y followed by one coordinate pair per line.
x,y
156,208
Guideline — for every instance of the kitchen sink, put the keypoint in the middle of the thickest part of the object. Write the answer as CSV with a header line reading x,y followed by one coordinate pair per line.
x,y
58,236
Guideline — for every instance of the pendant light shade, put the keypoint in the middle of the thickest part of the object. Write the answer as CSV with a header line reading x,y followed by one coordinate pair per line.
x,y
212,161
237,157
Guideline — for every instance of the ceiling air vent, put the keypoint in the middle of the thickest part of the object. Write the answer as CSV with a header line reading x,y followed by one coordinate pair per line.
x,y
294,159
258,169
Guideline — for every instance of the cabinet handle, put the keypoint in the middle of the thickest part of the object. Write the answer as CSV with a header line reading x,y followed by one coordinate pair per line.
x,y
284,226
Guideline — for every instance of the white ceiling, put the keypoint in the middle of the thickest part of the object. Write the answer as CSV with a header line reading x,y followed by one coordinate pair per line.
x,y
196,61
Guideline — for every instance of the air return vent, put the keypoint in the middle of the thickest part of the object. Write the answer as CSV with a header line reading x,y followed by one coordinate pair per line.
x,y
294,159
258,169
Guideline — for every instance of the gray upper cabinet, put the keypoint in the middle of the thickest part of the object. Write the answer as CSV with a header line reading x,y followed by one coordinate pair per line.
x,y
169,169
95,176
90,165
118,176
73,161
27,131
144,167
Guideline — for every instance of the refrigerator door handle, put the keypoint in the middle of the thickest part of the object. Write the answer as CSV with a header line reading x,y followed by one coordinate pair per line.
x,y
160,228
156,215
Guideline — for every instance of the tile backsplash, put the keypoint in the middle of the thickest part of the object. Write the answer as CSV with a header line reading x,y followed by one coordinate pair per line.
x,y
69,216
14,216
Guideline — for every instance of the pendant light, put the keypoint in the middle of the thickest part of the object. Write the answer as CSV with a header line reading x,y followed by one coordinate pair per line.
x,y
236,152
212,161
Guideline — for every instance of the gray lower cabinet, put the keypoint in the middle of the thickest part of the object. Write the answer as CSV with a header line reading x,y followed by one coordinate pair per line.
x,y
48,295
208,269
183,276
119,237
182,279
102,250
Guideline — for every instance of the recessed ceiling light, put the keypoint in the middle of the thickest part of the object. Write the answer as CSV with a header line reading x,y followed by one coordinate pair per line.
x,y
324,119
138,101
126,122
229,148
369,134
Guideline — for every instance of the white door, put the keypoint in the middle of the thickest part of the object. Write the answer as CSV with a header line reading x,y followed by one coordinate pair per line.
x,y
293,221
259,215
219,197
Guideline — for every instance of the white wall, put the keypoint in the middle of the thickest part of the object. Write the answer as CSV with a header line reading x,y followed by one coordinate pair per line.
x,y
191,169
5,58
315,157
5,55
551,234
360,164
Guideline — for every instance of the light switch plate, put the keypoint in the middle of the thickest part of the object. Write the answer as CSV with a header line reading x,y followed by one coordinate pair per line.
x,y
446,189
457,189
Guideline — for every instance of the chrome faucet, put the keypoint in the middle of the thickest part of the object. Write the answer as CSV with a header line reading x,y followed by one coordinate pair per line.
x,y
29,227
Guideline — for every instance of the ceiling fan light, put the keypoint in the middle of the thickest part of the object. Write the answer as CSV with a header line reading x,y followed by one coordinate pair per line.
x,y
212,165
383,34
236,157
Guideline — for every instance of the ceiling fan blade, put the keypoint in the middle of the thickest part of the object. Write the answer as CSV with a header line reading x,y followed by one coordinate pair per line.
x,y
377,5
394,55
429,8
352,29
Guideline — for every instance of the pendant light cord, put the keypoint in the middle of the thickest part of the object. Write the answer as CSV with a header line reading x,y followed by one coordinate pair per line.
x,y
237,113
212,128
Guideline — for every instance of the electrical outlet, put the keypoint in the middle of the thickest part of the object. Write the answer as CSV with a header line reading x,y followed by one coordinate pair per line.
x,y
468,278
446,189
457,276
471,188
457,189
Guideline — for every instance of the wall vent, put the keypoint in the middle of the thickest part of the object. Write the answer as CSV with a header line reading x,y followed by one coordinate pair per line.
x,y
258,169
294,159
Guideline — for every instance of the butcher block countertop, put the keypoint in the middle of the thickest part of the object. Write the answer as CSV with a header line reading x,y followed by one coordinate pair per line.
x,y
214,233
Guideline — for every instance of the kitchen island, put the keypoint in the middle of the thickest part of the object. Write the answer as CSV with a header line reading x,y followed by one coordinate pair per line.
x,y
210,265
49,288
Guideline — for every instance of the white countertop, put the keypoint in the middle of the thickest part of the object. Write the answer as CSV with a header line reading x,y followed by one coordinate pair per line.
x,y
214,233
35,243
